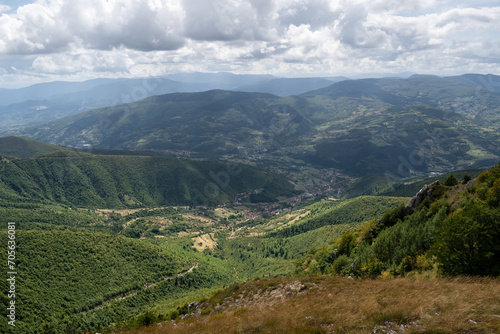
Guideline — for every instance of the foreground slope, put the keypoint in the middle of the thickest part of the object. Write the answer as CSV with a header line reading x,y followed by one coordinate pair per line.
x,y
326,304
453,227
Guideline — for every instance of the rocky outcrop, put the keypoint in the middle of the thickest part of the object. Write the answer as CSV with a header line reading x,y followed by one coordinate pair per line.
x,y
192,306
426,191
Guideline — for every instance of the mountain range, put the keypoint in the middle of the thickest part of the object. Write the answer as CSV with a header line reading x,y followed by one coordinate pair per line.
x,y
45,102
401,127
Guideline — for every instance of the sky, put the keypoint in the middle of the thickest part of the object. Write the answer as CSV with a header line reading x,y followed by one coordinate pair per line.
x,y
75,40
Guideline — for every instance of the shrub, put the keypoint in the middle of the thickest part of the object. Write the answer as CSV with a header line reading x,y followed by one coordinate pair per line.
x,y
451,180
147,318
342,265
493,194
346,243
467,243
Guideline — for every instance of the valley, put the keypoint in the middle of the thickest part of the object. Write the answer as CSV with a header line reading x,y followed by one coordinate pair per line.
x,y
201,207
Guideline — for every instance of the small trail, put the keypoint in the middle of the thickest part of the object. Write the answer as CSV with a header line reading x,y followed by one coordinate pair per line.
x,y
146,286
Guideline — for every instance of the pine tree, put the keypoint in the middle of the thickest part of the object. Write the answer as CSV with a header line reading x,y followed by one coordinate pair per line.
x,y
451,180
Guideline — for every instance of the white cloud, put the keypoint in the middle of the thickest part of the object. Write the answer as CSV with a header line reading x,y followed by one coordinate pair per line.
x,y
226,20
4,8
135,24
137,37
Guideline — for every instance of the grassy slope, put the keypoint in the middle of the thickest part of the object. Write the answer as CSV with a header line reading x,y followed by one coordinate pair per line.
x,y
326,304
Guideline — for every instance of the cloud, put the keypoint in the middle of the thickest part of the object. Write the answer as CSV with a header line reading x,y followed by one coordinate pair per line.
x,y
137,37
135,24
228,20
4,8
95,24
315,13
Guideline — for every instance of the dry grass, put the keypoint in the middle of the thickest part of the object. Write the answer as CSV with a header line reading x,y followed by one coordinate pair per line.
x,y
341,305
205,241
286,219
124,212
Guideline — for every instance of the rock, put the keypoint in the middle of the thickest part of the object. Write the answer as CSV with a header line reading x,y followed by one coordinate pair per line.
x,y
192,305
419,197
426,191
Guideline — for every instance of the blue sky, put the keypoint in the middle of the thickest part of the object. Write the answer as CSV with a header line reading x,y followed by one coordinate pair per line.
x,y
50,40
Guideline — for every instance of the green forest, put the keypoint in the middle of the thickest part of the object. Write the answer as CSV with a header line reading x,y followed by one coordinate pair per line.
x,y
104,242
455,229
96,181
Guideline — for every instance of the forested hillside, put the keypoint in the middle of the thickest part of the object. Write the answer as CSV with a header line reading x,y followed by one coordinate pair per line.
x,y
163,202
447,229
26,148
454,227
90,181
74,282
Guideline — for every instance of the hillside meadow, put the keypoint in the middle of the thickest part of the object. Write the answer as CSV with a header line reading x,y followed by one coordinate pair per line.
x,y
330,304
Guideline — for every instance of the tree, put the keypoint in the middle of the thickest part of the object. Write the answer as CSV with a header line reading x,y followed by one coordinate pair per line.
x,y
467,243
493,194
451,180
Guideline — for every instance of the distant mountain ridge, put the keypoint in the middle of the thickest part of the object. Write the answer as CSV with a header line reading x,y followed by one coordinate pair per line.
x,y
20,107
397,126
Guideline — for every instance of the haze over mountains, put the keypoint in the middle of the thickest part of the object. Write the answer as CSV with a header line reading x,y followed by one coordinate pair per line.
x,y
368,126
46,102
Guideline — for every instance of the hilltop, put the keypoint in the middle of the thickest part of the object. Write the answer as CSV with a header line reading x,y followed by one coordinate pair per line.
x,y
26,148
46,102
